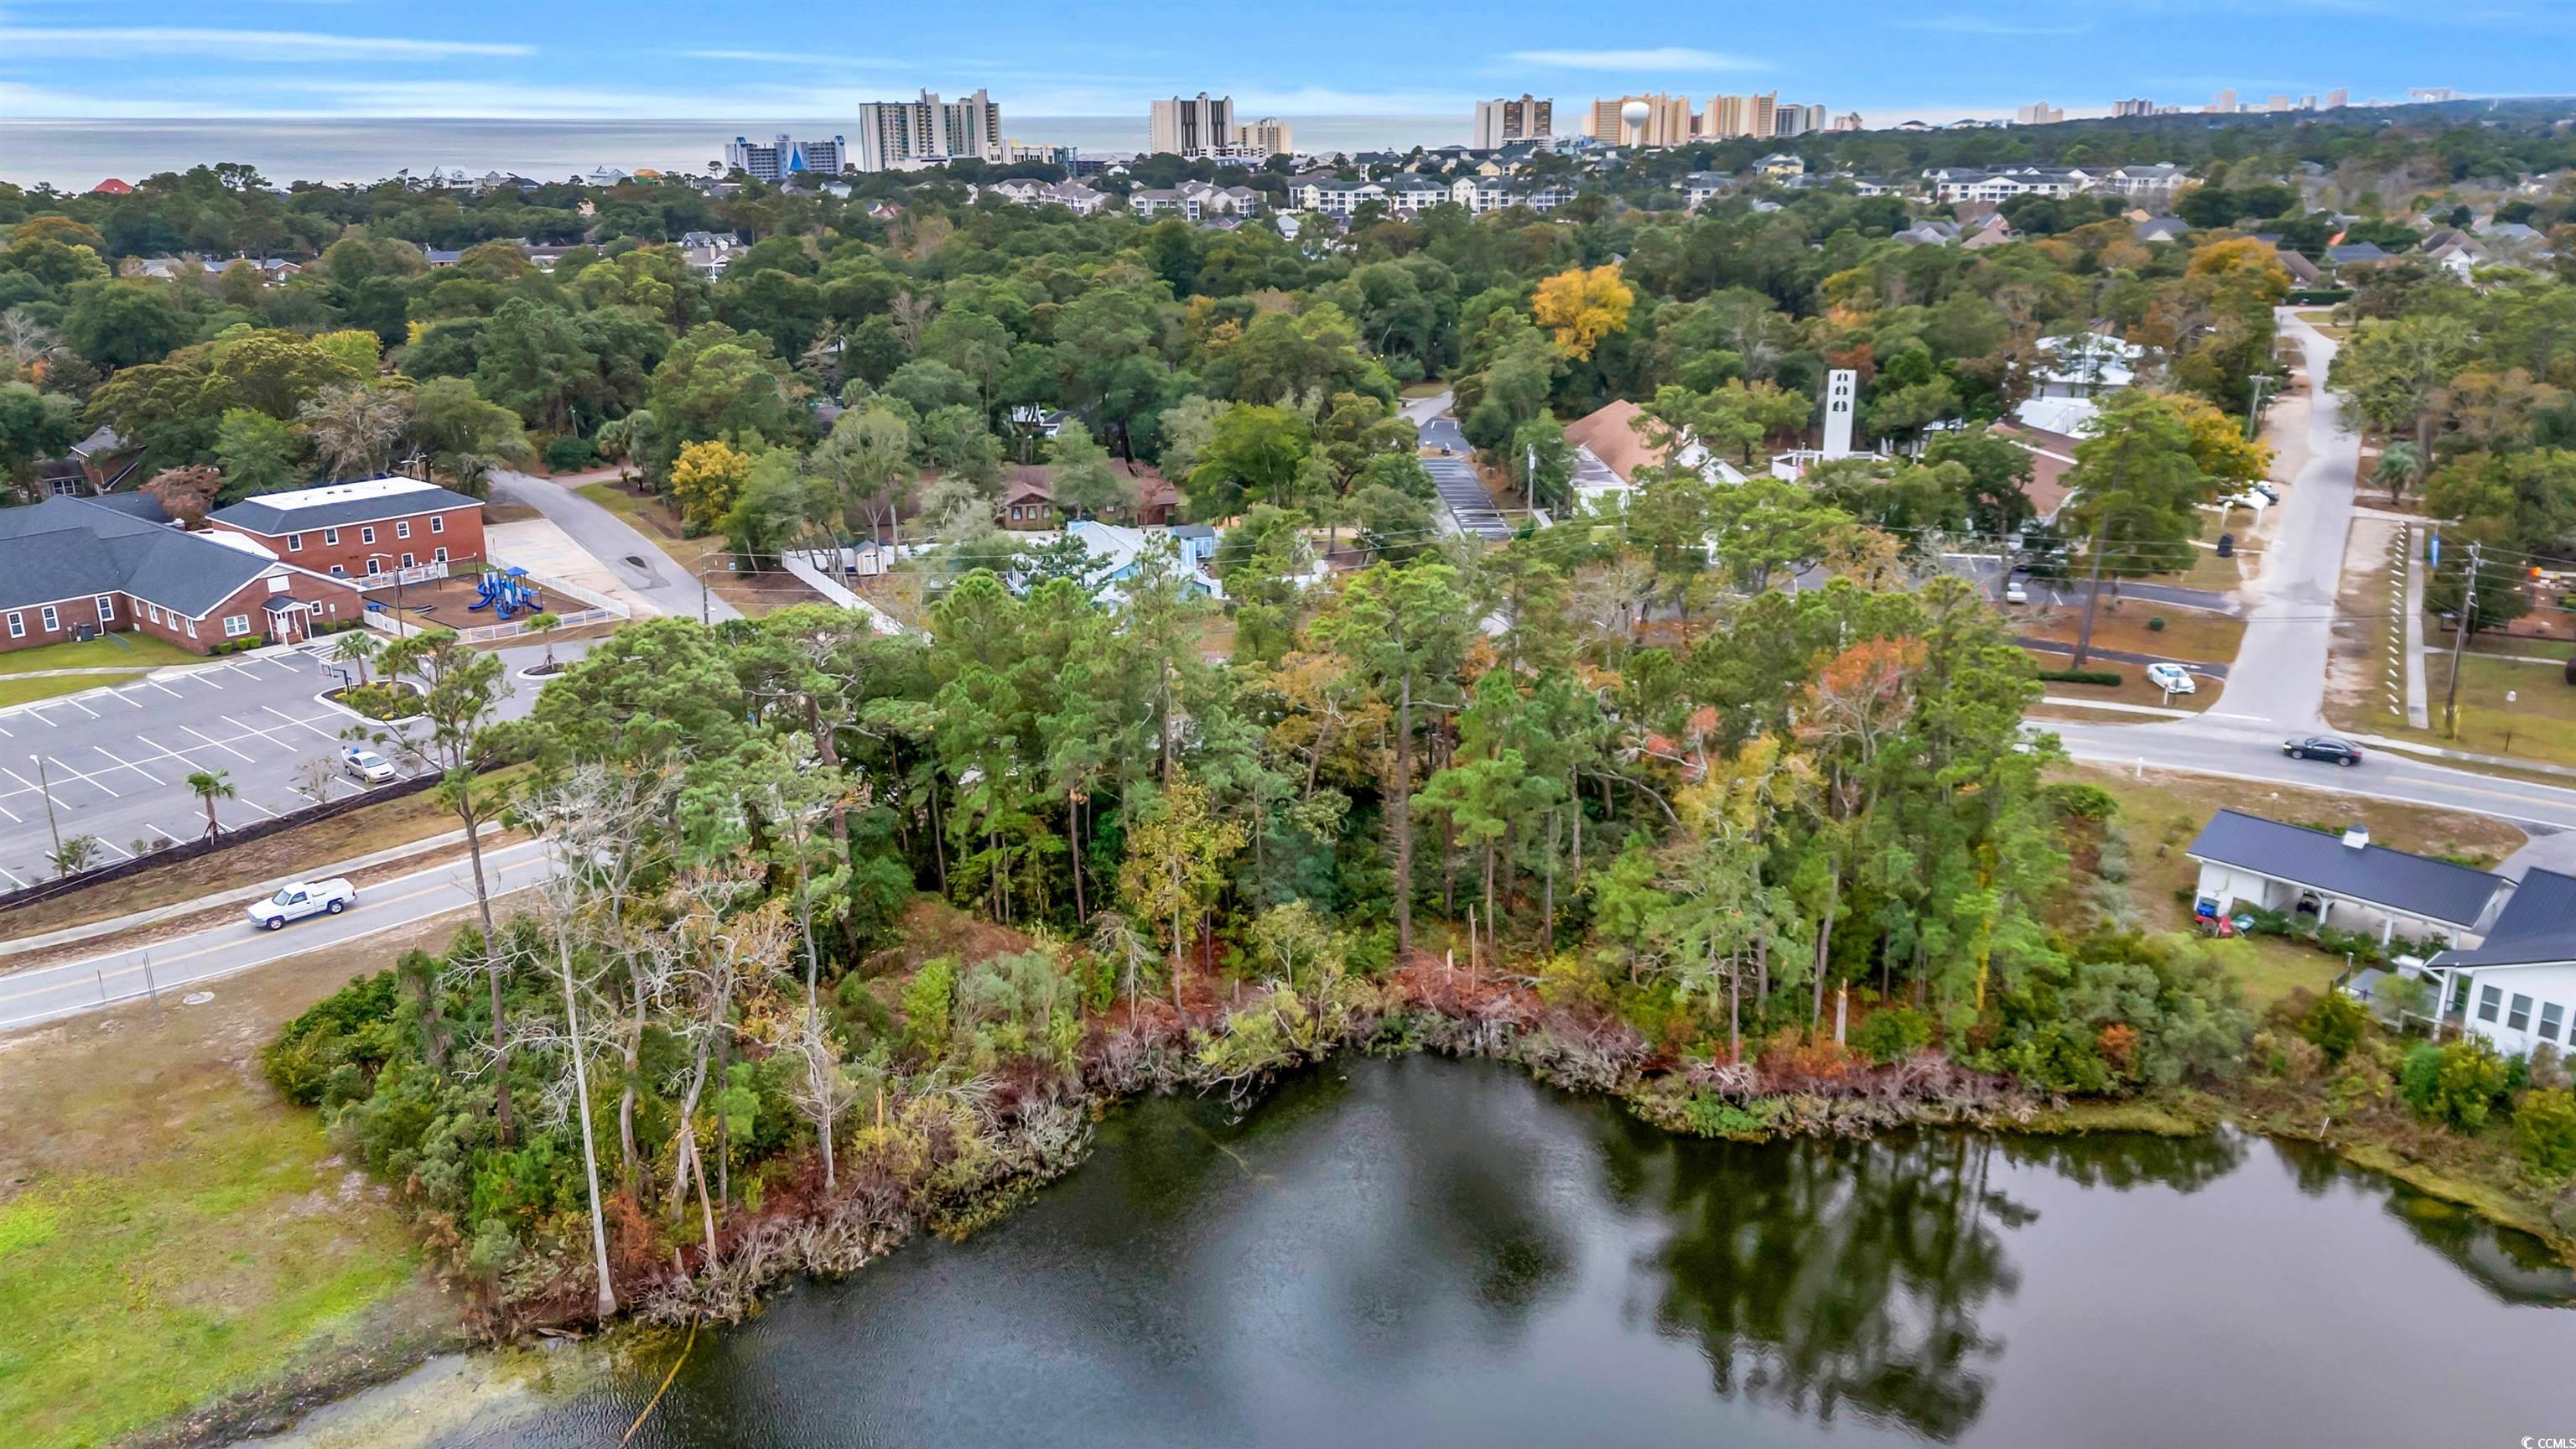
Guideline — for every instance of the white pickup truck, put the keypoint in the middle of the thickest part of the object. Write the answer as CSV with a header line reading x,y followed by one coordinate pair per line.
x,y
303,898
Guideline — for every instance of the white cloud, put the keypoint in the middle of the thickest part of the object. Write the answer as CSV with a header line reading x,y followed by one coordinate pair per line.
x,y
1668,57
278,45
1981,25
796,58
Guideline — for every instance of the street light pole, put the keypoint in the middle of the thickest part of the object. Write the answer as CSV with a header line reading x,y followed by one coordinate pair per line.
x,y
2459,639
45,787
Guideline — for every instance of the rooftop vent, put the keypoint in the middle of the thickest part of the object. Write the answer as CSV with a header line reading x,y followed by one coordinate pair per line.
x,y
2357,837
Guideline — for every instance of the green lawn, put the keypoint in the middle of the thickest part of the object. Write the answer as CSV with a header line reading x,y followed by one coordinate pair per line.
x,y
54,686
2539,724
107,651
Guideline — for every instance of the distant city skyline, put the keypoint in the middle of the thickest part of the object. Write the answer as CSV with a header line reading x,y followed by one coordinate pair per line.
x,y
656,59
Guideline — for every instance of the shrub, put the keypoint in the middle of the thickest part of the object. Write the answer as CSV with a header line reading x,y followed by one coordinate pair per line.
x,y
1892,1034
2059,1057
330,1054
2155,623
2108,677
571,455
2455,1084
2335,1024
926,1001
1710,1115
2544,1135
2075,800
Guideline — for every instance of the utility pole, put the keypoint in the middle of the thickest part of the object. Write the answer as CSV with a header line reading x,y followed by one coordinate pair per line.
x,y
2254,407
1533,477
45,788
2459,638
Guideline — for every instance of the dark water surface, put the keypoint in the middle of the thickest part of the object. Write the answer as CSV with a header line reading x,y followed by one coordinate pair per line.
x,y
1427,1252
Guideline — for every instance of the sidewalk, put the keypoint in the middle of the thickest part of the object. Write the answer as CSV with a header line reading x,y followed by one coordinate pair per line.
x,y
2504,762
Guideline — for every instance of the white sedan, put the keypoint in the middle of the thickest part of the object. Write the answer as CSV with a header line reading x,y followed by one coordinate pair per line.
x,y
2172,679
298,899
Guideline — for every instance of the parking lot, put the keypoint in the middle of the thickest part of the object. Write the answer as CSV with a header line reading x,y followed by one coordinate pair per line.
x,y
113,763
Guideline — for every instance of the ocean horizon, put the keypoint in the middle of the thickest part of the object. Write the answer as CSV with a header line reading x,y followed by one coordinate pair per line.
x,y
75,155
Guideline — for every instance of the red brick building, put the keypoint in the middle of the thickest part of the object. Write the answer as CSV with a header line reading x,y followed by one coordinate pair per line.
x,y
75,565
361,528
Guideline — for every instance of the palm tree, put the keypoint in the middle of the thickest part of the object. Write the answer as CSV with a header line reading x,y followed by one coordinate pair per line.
x,y
356,647
545,623
209,787
2401,466
74,855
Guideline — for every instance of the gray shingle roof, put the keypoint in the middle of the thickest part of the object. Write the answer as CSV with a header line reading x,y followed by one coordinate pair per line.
x,y
260,515
68,548
2435,890
2536,926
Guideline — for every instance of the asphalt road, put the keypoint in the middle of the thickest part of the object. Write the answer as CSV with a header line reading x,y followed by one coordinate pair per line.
x,y
115,761
2280,673
635,559
173,967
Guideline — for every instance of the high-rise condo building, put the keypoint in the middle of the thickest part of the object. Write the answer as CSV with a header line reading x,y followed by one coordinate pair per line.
x,y
1730,117
894,135
785,158
1268,136
2138,107
2338,98
2039,113
1500,122
1187,126
1668,121
1796,120
2225,102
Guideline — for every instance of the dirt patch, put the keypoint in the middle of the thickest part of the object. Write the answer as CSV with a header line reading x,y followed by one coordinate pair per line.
x,y
2368,660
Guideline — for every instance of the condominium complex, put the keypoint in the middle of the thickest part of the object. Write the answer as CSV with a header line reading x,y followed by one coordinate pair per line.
x,y
2140,106
785,158
1266,137
1795,120
2039,113
1668,121
897,135
1500,122
1184,126
1730,117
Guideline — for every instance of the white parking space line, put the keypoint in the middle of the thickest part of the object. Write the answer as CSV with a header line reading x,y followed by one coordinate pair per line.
x,y
13,880
218,744
287,745
165,689
121,851
85,709
119,696
14,818
202,676
306,723
164,834
125,764
88,779
166,752
255,805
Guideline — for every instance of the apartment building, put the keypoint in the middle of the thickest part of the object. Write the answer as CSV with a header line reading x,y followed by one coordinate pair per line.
x,y
1191,125
785,157
1733,117
1195,201
2138,106
1500,122
1796,120
1073,196
1668,121
2039,113
901,135
1266,137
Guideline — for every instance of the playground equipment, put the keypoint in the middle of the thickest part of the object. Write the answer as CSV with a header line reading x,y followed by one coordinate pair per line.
x,y
506,592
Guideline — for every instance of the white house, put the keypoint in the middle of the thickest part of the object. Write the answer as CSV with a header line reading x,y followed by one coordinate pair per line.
x,y
2517,988
2343,880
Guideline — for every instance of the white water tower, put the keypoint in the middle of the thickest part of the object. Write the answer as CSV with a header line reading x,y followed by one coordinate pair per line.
x,y
1633,115
1840,386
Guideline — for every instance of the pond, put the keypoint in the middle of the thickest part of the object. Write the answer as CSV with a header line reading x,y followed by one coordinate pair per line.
x,y
1433,1252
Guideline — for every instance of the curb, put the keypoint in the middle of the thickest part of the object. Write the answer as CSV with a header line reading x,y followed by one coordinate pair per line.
x,y
2508,762
71,935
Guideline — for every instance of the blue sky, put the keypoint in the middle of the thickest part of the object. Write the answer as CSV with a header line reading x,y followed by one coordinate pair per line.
x,y
687,59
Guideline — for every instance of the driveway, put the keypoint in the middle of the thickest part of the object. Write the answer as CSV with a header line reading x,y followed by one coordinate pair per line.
x,y
43,993
637,561
1432,423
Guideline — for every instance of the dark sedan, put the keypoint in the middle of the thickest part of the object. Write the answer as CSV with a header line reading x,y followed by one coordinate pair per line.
x,y
2322,747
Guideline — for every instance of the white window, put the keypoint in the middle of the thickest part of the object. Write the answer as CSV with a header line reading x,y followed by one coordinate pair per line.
x,y
192,628
2550,1013
330,535
17,624
295,543
52,620
367,534
2489,998
438,555
438,523
279,583
407,561
2517,1017
402,528
339,572
236,625
106,608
